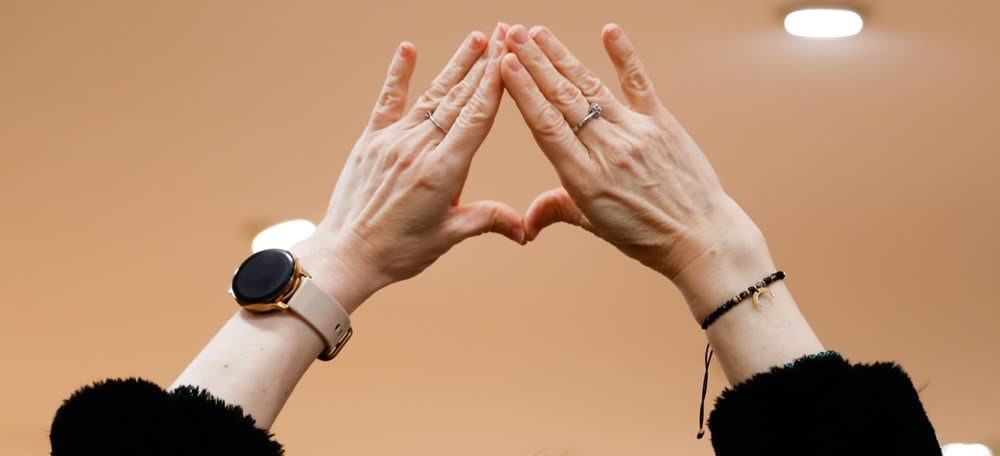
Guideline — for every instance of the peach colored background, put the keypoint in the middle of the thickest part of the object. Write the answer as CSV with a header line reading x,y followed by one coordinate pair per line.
x,y
144,142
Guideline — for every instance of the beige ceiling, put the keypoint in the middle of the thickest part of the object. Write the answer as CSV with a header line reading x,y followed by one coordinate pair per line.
x,y
144,142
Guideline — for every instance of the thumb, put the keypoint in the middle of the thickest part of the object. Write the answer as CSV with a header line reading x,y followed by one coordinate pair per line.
x,y
480,217
550,207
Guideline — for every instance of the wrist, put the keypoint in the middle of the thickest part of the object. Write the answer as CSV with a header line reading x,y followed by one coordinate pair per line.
x,y
735,261
349,283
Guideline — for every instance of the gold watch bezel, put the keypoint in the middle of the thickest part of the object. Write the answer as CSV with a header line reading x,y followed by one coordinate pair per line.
x,y
281,301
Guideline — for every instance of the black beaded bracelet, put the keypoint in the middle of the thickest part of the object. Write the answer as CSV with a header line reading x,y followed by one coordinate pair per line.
x,y
732,302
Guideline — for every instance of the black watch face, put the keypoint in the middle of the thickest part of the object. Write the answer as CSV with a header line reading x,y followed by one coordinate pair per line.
x,y
261,277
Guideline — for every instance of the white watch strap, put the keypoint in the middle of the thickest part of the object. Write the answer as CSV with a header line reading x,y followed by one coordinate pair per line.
x,y
324,314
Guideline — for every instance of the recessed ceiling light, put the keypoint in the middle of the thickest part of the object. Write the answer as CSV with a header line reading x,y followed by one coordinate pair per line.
x,y
823,23
965,449
282,235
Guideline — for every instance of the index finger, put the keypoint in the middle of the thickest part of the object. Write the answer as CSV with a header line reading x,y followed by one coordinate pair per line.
x,y
453,73
554,136
476,118
577,73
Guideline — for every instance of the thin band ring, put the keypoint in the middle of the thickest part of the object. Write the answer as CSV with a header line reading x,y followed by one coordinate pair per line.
x,y
595,112
430,116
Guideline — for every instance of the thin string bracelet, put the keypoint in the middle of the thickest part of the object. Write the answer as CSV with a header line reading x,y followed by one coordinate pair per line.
x,y
754,291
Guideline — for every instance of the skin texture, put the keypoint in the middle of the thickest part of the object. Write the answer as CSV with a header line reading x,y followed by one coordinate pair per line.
x,y
395,210
396,207
636,179
633,177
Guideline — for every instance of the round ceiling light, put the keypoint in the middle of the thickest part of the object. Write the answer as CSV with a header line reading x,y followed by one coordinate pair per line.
x,y
964,449
823,23
283,235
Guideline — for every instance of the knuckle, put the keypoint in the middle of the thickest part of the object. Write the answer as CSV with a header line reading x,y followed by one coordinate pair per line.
x,y
621,154
382,111
474,114
471,119
436,91
565,94
450,99
550,121
590,85
490,221
425,102
405,159
432,176
390,96
455,96
453,71
463,90
635,79
444,113
629,56
591,189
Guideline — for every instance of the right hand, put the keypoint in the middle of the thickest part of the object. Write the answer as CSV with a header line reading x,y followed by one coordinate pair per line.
x,y
396,207
633,176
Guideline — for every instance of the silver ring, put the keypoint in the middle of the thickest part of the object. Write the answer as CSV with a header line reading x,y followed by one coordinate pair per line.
x,y
430,116
595,112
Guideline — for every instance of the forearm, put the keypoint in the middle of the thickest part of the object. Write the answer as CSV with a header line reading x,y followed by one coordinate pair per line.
x,y
748,339
256,360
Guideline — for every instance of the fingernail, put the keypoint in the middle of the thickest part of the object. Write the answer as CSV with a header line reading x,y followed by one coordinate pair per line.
x,y
513,64
614,32
496,31
519,35
476,41
502,34
540,34
404,50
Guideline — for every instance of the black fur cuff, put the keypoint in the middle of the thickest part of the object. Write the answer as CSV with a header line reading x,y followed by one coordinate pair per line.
x,y
823,406
134,416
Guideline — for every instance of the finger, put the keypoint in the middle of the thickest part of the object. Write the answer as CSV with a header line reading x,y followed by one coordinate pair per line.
x,y
553,134
562,93
451,105
481,217
550,207
463,60
579,75
636,85
456,150
392,100
476,118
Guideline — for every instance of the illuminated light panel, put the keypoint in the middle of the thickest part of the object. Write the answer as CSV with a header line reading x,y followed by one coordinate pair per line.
x,y
824,23
282,235
965,449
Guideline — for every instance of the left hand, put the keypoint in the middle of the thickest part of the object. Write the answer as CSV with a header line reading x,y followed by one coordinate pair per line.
x,y
632,176
396,208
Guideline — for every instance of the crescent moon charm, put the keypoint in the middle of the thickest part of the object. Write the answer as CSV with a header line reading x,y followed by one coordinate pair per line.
x,y
756,295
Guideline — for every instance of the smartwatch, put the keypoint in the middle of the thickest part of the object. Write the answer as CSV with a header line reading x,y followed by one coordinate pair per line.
x,y
273,280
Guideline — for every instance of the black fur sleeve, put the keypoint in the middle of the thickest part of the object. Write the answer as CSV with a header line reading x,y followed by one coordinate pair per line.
x,y
134,416
823,406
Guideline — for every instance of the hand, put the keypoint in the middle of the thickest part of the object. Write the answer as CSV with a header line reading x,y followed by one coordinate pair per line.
x,y
396,209
632,176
